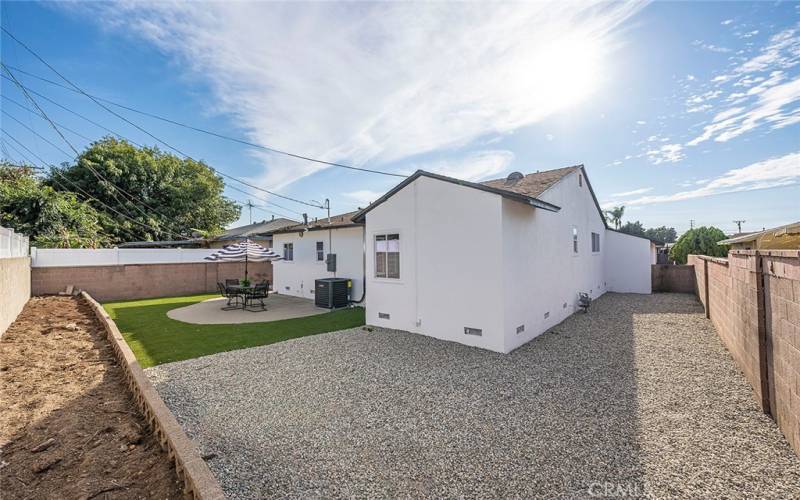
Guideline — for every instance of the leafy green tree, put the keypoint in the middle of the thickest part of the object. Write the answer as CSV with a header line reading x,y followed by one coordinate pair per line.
x,y
662,234
52,219
634,228
699,241
171,195
614,216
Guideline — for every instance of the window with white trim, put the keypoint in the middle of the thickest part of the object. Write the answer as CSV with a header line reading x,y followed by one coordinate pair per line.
x,y
574,239
595,242
288,251
320,251
387,256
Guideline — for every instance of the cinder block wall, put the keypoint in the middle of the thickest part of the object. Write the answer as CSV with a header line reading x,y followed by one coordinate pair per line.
x,y
672,278
15,288
139,281
753,299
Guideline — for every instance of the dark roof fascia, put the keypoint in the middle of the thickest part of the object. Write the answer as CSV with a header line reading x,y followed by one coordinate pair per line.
x,y
654,242
528,200
316,228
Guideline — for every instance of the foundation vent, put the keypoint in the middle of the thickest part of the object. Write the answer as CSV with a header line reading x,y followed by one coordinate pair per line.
x,y
473,331
547,315
520,329
383,315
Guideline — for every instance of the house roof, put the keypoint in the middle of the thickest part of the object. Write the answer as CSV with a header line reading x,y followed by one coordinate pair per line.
x,y
793,228
258,228
336,222
533,184
521,194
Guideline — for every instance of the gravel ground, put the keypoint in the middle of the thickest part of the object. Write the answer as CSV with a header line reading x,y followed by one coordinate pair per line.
x,y
636,398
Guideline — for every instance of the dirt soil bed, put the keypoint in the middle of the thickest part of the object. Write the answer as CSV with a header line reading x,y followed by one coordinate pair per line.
x,y
68,425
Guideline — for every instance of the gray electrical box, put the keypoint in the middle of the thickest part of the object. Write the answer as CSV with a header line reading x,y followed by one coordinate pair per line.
x,y
331,261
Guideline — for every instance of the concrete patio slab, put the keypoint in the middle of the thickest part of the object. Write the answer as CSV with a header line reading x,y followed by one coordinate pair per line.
x,y
209,312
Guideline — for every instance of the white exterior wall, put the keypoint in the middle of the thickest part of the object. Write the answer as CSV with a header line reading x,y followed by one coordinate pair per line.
x,y
297,277
447,281
627,263
542,274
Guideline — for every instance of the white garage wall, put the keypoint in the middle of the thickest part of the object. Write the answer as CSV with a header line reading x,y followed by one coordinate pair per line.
x,y
450,263
627,263
297,277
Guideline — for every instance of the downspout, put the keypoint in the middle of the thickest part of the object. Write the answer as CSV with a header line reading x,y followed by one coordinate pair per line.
x,y
363,264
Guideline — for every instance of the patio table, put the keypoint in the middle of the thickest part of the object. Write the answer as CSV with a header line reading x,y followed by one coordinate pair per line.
x,y
242,291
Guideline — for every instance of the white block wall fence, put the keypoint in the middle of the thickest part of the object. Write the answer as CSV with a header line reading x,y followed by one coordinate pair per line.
x,y
79,257
12,244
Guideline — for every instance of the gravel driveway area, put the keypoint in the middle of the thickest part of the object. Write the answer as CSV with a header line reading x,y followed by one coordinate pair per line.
x,y
636,398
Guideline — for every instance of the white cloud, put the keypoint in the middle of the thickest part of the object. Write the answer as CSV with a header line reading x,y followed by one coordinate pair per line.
x,y
363,197
549,137
632,193
771,97
382,82
710,47
726,22
641,122
767,174
475,166
668,153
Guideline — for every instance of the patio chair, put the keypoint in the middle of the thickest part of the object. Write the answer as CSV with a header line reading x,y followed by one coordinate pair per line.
x,y
264,283
257,295
230,295
231,283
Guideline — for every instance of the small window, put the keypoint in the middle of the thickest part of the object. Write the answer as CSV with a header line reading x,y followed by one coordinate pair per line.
x,y
580,180
320,251
574,240
595,242
387,256
288,251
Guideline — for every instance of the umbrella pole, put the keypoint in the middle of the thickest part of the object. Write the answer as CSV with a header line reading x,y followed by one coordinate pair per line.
x,y
245,266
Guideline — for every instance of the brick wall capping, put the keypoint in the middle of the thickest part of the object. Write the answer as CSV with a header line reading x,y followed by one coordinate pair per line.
x,y
198,480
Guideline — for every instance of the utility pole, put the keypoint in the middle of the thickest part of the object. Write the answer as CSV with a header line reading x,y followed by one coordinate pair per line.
x,y
250,208
691,223
328,208
739,224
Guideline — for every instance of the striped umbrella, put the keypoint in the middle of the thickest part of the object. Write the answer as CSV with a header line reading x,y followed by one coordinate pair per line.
x,y
244,251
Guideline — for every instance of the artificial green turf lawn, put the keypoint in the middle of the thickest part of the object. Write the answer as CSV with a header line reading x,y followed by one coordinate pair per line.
x,y
156,338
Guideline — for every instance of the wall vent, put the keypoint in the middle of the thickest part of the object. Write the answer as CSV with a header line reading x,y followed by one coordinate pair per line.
x,y
547,315
473,331
564,306
288,287
383,315
520,329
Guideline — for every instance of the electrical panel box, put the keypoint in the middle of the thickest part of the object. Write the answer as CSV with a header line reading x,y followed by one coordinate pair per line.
x,y
330,260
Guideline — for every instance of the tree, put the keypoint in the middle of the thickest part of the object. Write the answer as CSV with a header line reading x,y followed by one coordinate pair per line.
x,y
167,196
698,241
614,216
634,228
50,218
662,234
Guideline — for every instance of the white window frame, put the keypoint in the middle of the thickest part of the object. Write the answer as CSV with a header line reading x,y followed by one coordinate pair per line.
x,y
399,252
320,251
575,241
288,248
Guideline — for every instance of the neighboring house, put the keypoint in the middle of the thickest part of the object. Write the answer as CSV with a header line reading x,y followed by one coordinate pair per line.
x,y
542,240
259,232
305,249
778,238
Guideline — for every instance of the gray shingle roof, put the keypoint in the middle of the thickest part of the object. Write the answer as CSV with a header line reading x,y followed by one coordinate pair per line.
x,y
258,228
532,184
337,221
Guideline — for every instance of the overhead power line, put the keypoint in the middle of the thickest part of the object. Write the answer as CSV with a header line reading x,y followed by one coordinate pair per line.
x,y
209,132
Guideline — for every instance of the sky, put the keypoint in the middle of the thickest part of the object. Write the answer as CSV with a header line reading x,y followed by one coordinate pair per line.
x,y
683,112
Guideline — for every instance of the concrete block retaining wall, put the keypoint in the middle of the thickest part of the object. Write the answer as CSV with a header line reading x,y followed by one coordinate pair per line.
x,y
198,480
140,281
753,299
672,278
15,288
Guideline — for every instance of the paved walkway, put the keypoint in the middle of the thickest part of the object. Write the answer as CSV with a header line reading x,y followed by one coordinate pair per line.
x,y
638,397
209,312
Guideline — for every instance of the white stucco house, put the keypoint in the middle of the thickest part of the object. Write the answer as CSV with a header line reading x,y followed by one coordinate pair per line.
x,y
305,249
541,239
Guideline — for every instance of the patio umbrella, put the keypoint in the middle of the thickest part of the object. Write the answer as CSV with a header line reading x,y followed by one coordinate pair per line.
x,y
244,251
